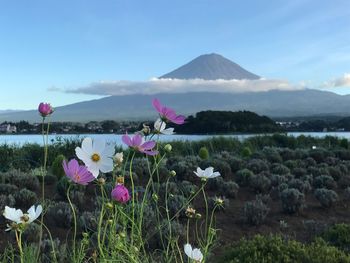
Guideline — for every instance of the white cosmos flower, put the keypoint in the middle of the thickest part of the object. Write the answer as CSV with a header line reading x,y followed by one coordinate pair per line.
x,y
160,126
194,254
97,155
207,173
17,216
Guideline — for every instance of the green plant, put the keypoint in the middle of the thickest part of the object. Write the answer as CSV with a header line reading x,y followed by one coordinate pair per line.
x,y
244,176
326,197
292,200
338,235
25,198
57,167
266,249
255,212
203,153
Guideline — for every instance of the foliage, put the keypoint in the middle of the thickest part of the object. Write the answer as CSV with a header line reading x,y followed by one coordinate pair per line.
x,y
265,249
255,212
326,197
292,200
203,153
56,167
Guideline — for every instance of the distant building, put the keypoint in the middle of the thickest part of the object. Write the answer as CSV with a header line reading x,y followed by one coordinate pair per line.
x,y
8,128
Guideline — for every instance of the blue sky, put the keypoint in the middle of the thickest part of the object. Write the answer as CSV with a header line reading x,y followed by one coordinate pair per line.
x,y
70,44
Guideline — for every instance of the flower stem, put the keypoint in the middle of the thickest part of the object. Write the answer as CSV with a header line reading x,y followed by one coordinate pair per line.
x,y
100,224
133,198
19,243
75,220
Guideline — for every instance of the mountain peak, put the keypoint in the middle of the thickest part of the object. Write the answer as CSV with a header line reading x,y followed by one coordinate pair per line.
x,y
210,67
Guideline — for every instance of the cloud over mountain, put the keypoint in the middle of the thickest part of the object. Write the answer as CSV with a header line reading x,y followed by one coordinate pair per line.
x,y
162,85
343,81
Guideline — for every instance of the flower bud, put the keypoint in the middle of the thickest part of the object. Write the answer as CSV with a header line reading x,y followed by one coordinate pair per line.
x,y
109,205
190,212
45,109
101,181
110,221
120,180
155,197
168,148
172,173
118,158
198,216
121,194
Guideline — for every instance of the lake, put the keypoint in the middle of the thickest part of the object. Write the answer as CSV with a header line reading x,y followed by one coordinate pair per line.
x,y
116,138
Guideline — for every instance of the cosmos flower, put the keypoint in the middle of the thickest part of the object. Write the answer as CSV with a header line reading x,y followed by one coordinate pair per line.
x,y
120,193
96,155
45,109
168,114
77,173
160,126
194,254
17,216
138,143
207,173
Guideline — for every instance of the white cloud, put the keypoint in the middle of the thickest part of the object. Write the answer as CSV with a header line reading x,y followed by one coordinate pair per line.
x,y
156,85
343,81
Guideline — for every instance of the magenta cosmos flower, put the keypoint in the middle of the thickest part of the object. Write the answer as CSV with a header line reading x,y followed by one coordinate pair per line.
x,y
45,109
138,143
120,193
168,114
77,173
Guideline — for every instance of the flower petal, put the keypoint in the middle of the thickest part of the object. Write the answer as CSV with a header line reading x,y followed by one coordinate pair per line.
x,y
86,145
127,140
157,105
98,145
188,250
13,214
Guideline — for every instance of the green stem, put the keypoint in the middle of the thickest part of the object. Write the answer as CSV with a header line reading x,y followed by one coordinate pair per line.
x,y
206,211
75,220
100,224
19,243
133,198
52,243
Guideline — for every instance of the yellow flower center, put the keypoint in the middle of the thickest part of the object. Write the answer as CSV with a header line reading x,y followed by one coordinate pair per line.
x,y
95,157
77,177
25,218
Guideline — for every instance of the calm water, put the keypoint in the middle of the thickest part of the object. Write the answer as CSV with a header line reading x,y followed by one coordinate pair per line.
x,y
116,138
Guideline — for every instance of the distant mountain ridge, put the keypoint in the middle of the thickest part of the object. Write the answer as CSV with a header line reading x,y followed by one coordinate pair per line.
x,y
272,103
210,67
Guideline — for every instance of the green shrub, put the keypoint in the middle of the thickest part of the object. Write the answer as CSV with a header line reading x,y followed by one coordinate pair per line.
x,y
324,181
244,176
60,214
62,187
257,166
255,212
21,179
229,189
7,189
339,236
25,198
292,200
6,200
246,152
326,197
260,183
271,249
57,168
203,153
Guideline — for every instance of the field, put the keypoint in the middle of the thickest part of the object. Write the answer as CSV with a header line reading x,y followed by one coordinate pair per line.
x,y
286,189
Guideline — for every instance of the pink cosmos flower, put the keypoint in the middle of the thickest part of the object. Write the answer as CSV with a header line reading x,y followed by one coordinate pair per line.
x,y
168,114
138,143
120,193
45,109
77,173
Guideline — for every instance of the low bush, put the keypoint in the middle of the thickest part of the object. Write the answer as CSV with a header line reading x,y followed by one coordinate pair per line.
x,y
244,176
266,249
292,200
25,198
324,181
326,197
255,212
338,236
203,153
